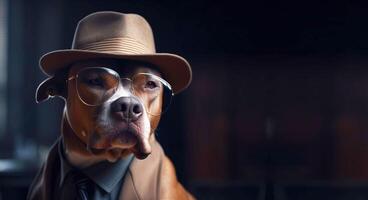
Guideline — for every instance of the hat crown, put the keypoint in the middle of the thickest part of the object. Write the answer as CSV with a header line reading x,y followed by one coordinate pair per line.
x,y
114,32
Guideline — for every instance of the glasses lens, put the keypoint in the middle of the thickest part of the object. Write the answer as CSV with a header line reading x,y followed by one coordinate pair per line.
x,y
96,85
155,92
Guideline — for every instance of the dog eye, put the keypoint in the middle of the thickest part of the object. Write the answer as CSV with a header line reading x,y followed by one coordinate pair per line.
x,y
95,82
151,85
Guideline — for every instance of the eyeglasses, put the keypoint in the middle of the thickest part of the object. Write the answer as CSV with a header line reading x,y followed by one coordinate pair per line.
x,y
95,85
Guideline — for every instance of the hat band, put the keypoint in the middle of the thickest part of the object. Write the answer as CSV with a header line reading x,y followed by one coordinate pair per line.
x,y
123,45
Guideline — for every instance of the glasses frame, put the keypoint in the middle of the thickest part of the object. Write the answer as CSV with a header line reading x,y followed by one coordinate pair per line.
x,y
163,81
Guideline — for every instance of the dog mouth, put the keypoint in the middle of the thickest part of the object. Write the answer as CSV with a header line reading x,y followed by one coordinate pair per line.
x,y
123,138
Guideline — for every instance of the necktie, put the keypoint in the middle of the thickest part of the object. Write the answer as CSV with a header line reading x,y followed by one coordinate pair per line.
x,y
82,186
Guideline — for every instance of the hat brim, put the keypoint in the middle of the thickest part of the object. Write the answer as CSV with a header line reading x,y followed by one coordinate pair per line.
x,y
175,69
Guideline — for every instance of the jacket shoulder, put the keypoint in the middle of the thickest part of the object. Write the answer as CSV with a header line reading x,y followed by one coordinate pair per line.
x,y
170,187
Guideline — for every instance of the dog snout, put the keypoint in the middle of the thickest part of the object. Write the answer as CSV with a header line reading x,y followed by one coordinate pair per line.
x,y
129,108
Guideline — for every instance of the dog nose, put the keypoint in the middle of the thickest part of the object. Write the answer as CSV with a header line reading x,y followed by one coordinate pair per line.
x,y
127,107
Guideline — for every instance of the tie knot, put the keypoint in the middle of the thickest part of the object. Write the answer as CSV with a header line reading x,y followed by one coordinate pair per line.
x,y
80,179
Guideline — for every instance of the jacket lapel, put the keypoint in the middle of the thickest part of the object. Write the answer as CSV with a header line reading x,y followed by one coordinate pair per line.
x,y
142,179
43,186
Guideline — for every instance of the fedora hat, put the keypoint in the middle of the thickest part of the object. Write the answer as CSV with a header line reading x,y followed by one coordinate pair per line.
x,y
118,36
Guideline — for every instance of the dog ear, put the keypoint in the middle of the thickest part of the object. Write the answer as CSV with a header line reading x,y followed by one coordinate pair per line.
x,y
51,87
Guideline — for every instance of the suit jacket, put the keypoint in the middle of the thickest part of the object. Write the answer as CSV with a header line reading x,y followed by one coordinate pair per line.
x,y
142,180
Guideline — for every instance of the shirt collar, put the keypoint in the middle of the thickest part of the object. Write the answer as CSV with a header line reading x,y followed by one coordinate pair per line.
x,y
105,174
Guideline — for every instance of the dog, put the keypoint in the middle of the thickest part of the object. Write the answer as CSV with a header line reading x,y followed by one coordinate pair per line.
x,y
113,104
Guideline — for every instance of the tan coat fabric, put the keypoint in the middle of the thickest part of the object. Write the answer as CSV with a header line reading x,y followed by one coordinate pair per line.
x,y
144,180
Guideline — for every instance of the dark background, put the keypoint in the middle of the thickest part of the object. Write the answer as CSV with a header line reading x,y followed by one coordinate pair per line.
x,y
278,106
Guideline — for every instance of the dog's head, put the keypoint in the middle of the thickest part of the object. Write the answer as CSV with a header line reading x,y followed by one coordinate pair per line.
x,y
111,116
